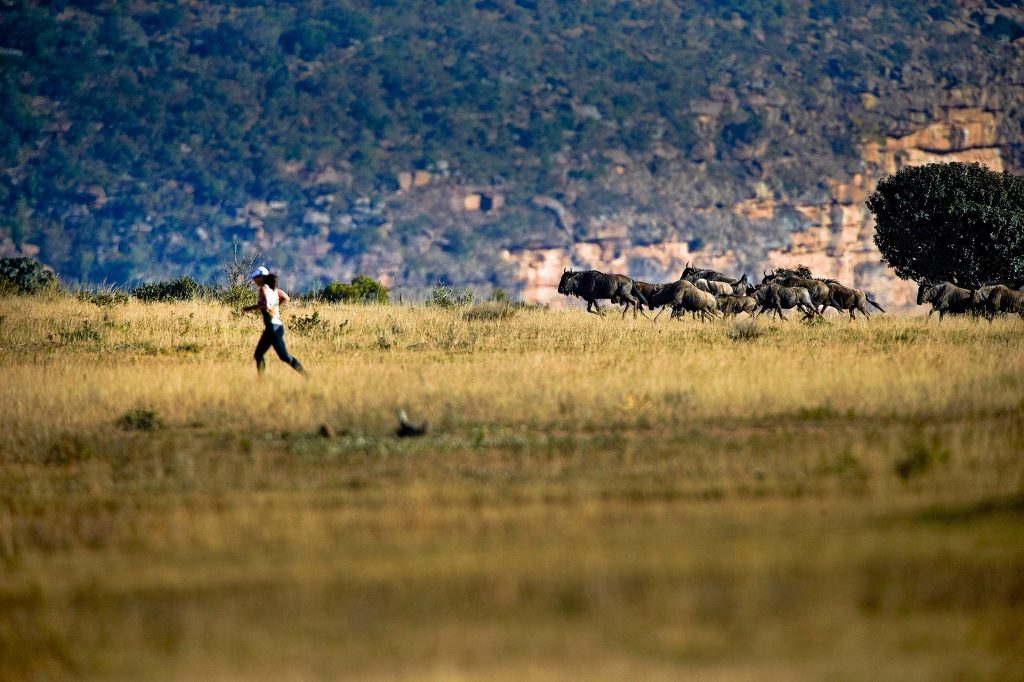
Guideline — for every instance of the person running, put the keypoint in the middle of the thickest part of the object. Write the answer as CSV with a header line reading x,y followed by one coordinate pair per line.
x,y
270,301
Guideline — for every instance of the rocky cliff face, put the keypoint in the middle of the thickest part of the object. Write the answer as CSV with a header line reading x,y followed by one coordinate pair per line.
x,y
833,238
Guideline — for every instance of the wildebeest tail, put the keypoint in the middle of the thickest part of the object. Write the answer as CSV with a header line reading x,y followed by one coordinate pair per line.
x,y
640,296
873,303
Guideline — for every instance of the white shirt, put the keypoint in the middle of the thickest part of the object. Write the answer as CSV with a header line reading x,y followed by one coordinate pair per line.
x,y
273,303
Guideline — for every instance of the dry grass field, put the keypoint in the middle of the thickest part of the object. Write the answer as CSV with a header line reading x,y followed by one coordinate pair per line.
x,y
596,498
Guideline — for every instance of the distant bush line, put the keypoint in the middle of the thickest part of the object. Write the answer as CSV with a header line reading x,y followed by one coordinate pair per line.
x,y
19,276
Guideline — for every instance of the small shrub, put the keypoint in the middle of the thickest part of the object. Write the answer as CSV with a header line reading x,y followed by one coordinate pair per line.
x,y
387,335
68,450
237,296
314,325
141,347
104,299
446,296
746,330
817,413
362,289
491,311
187,348
140,420
843,465
25,276
183,288
86,332
920,458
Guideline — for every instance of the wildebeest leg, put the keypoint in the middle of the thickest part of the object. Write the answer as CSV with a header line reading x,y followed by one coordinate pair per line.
x,y
597,307
659,314
778,310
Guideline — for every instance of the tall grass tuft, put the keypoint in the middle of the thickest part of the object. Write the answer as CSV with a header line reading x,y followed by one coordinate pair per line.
x,y
746,330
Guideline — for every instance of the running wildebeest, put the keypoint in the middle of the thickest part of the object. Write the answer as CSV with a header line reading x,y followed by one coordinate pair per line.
x,y
688,298
844,298
692,274
945,297
591,285
714,287
639,287
815,287
734,305
998,298
678,295
777,298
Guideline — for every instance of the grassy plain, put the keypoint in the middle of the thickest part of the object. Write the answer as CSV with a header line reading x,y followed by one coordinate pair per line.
x,y
597,498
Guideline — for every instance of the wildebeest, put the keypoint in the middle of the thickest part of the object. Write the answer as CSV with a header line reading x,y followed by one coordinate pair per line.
x,y
815,287
691,299
714,287
777,298
734,305
998,298
945,297
592,285
693,273
668,295
844,298
646,289
742,286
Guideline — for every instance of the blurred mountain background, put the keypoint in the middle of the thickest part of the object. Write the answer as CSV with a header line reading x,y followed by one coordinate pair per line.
x,y
486,143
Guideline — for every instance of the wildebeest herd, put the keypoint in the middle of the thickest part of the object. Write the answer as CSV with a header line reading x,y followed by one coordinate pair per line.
x,y
708,293
990,300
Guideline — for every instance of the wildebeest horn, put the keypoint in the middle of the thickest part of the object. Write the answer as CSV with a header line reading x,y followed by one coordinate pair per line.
x,y
764,272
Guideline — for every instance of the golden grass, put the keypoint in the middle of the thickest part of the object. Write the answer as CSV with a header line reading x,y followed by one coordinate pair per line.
x,y
597,497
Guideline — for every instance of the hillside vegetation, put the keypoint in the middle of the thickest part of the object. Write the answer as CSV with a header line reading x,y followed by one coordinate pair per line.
x,y
141,139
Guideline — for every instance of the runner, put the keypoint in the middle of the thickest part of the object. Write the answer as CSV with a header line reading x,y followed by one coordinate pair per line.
x,y
270,300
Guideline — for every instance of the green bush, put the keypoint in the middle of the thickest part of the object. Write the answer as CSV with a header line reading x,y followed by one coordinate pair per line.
x,y
25,276
920,457
103,299
84,333
363,289
183,288
316,326
140,420
237,296
446,296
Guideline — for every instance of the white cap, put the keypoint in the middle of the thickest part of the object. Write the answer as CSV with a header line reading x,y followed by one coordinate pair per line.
x,y
259,272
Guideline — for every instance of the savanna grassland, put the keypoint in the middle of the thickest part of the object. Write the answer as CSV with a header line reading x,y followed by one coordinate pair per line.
x,y
596,498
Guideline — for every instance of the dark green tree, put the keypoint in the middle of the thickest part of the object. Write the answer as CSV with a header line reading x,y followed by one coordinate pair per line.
x,y
363,289
951,221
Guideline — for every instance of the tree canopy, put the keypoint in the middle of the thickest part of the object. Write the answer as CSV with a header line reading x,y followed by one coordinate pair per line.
x,y
951,221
